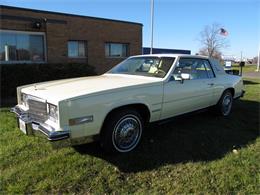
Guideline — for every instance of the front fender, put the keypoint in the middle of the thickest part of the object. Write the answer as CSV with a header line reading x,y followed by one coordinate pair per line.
x,y
99,106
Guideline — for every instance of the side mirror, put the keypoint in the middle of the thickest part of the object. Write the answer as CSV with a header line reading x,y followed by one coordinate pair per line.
x,y
185,76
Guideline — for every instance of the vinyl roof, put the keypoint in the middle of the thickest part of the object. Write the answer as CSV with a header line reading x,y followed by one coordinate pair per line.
x,y
172,55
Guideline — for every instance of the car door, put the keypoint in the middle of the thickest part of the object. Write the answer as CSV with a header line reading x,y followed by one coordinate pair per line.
x,y
212,82
183,96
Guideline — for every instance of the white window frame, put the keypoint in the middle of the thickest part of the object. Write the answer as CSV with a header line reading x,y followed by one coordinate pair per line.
x,y
27,33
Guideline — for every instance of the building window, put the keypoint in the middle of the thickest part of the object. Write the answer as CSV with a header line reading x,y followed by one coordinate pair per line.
x,y
21,47
77,49
117,50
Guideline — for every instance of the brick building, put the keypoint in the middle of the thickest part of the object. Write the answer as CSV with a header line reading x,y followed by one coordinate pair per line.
x,y
35,36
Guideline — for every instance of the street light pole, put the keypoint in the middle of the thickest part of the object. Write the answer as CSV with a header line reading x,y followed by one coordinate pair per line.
x,y
152,15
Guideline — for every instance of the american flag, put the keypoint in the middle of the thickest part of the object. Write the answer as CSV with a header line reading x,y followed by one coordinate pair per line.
x,y
223,32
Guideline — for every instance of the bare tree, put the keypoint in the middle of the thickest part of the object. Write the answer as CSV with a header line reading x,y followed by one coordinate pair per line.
x,y
213,40
216,54
255,59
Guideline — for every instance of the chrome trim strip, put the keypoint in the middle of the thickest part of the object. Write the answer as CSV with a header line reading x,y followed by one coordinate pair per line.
x,y
81,120
36,98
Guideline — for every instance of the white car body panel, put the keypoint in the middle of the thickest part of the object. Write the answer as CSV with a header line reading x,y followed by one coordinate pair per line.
x,y
55,91
180,98
97,96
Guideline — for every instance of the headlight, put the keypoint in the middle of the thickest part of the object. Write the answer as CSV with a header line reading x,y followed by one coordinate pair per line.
x,y
24,99
53,112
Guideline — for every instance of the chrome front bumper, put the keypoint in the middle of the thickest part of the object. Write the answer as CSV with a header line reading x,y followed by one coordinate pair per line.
x,y
35,128
58,138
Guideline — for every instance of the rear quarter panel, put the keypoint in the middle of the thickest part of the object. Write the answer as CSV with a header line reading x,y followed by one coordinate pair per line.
x,y
225,81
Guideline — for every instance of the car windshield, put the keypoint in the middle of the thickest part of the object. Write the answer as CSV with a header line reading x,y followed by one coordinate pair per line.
x,y
144,66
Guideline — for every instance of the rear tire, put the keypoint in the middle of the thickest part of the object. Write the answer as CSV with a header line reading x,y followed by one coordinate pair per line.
x,y
122,131
224,105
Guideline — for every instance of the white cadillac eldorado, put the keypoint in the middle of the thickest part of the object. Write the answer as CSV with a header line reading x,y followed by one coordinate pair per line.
x,y
115,106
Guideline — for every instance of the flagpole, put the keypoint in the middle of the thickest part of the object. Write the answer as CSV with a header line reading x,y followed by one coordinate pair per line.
x,y
152,16
258,60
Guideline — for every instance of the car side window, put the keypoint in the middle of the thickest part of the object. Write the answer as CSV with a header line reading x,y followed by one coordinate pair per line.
x,y
166,64
192,66
209,69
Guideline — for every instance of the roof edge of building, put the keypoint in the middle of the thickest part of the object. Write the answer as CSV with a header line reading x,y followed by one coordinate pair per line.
x,y
66,14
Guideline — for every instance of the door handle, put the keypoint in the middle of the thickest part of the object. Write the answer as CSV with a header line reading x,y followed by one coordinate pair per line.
x,y
211,84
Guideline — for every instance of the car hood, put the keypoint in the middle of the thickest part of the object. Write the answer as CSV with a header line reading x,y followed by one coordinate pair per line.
x,y
55,91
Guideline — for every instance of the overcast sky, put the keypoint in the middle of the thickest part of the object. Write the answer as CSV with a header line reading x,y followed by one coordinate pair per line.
x,y
177,22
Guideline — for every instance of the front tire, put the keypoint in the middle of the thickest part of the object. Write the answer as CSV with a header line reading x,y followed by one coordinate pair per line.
x,y
225,103
122,131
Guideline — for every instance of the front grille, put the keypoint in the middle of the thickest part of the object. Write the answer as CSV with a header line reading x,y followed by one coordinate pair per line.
x,y
37,110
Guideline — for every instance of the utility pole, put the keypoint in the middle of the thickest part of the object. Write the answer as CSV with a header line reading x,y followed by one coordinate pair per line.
x,y
152,19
